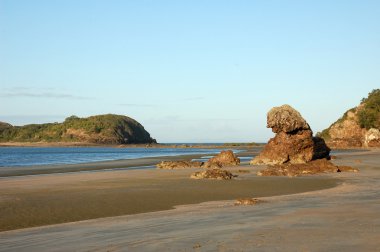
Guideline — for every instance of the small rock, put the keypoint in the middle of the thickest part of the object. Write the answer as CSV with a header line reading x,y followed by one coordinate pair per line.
x,y
213,174
225,158
247,202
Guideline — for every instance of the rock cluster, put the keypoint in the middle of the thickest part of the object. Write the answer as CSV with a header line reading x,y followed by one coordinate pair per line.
x,y
313,167
294,142
171,165
224,158
213,174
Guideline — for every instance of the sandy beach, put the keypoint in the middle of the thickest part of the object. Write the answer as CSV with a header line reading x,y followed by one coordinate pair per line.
x,y
334,212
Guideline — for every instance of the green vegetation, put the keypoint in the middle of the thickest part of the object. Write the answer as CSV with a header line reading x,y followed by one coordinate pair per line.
x,y
369,114
102,129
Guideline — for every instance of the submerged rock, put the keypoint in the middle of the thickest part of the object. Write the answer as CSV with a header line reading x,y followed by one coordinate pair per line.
x,y
313,167
294,142
213,174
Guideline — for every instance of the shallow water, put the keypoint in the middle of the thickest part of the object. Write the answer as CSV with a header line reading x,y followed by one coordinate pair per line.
x,y
28,156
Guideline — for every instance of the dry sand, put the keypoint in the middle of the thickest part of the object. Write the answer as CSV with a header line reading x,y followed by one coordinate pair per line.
x,y
343,218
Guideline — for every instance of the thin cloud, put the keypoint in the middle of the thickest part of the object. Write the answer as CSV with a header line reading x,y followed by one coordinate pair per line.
x,y
194,98
135,105
44,95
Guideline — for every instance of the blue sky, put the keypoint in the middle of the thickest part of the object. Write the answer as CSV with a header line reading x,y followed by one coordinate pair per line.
x,y
189,71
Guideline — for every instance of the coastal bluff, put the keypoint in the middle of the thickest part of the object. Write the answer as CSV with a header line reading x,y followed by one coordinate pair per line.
x,y
99,129
358,127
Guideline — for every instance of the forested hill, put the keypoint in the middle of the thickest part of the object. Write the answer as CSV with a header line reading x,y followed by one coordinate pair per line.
x,y
99,129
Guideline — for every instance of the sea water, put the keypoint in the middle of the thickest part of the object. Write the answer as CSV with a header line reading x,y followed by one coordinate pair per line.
x,y
28,156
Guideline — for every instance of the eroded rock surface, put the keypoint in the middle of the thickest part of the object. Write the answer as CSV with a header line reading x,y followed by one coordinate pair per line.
x,y
171,165
213,174
294,142
224,158
247,202
313,167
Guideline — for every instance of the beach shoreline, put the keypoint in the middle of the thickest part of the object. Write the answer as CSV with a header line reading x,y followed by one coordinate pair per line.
x,y
50,198
343,214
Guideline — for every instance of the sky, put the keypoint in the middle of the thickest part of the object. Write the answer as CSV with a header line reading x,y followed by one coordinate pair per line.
x,y
188,71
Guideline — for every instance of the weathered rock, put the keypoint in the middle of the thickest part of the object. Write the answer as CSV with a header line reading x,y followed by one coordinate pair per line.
x,y
170,165
285,119
293,143
224,158
313,167
247,202
217,162
372,138
209,165
213,174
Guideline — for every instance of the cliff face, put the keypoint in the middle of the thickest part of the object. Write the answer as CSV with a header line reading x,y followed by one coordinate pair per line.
x,y
101,129
358,127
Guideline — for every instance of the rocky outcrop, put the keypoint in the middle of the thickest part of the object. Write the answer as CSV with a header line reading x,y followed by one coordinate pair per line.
x,y
294,142
358,127
372,138
224,158
313,167
213,174
171,165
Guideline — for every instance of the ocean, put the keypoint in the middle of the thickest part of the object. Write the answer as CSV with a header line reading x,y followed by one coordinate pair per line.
x,y
28,156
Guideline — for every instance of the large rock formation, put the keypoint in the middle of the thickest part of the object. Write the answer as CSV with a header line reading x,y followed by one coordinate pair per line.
x,y
358,127
100,129
294,142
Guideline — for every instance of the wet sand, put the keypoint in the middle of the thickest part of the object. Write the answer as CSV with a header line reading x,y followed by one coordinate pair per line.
x,y
57,198
342,218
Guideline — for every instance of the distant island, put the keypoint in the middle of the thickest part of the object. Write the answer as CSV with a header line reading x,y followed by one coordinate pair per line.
x,y
358,127
99,129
